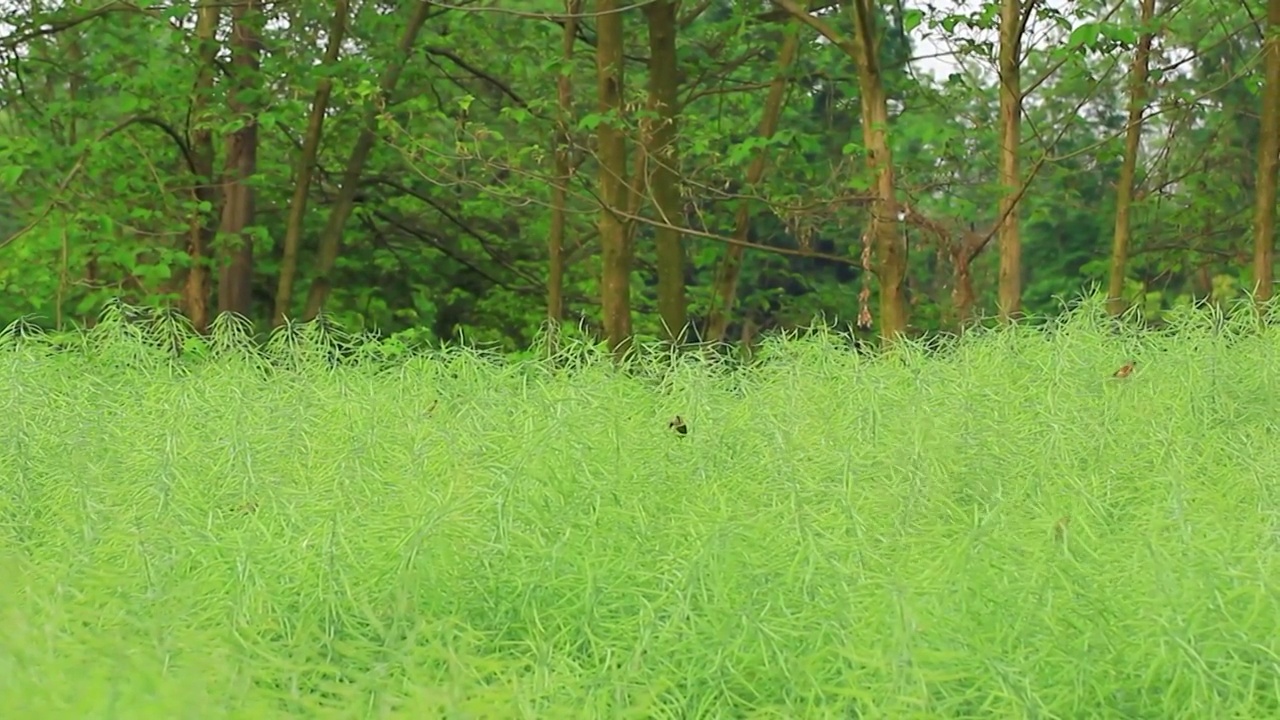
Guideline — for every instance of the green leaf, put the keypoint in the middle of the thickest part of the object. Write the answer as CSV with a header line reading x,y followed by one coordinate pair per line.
x,y
911,19
590,121
518,115
1084,36
126,102
1120,33
10,173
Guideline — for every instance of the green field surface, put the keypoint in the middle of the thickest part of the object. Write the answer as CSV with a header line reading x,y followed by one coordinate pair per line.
x,y
997,530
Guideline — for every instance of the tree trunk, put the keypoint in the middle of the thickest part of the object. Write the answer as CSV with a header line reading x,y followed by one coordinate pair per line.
x,y
306,166
1128,169
963,296
883,232
1264,217
235,283
890,244
615,285
563,157
195,293
726,282
331,239
665,157
75,55
1012,22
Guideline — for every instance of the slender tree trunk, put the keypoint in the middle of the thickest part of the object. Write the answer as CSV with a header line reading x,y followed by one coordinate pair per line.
x,y
615,285
195,294
963,296
1012,22
1264,217
306,166
1128,169
331,239
563,157
638,187
665,158
235,283
730,269
891,247
75,56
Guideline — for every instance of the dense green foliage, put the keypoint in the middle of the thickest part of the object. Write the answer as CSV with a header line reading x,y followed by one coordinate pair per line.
x,y
999,529
450,231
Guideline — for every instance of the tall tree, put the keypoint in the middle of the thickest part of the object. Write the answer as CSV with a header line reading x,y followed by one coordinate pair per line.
x,y
1264,217
890,243
306,166
884,228
1013,22
615,246
331,239
195,294
1128,169
664,157
563,156
235,281
730,268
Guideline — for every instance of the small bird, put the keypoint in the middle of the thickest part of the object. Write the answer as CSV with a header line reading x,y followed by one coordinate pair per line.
x,y
677,424
1060,528
1125,370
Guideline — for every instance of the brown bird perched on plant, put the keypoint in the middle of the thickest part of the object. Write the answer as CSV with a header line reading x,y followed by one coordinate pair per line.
x,y
1125,371
677,424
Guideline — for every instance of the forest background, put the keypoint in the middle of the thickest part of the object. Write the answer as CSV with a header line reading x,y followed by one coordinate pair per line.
x,y
476,168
